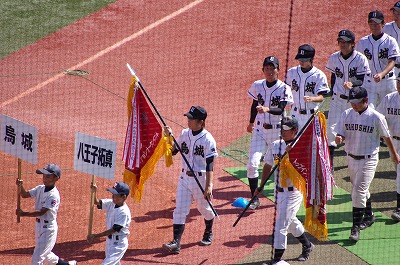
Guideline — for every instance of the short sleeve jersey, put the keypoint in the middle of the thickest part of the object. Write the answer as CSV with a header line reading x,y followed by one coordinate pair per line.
x,y
346,70
275,150
390,108
197,148
393,30
312,83
378,52
117,216
270,97
362,132
49,200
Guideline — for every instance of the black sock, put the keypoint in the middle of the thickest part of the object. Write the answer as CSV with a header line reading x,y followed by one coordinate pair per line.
x,y
331,153
178,231
209,224
304,240
62,262
368,208
253,183
357,216
278,253
398,200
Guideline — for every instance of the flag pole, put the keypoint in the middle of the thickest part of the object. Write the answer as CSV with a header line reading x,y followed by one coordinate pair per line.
x,y
19,189
175,142
262,184
91,212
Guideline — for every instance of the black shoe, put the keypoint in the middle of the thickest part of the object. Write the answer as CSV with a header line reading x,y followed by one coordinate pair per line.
x,y
207,238
355,234
305,253
367,221
172,247
255,203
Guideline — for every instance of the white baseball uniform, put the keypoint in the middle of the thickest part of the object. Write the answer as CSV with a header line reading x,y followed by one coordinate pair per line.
x,y
362,134
378,53
344,71
46,225
390,108
196,149
393,30
117,243
312,83
287,202
266,125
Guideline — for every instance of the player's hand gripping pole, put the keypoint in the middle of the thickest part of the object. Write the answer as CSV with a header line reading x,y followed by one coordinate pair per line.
x,y
19,189
262,184
92,197
175,142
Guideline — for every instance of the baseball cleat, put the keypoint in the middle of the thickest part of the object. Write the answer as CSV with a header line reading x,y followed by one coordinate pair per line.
x,y
72,262
396,215
355,234
255,203
367,221
305,253
172,247
207,238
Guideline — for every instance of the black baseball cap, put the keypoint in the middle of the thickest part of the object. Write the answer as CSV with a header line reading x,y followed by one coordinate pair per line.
x,y
289,123
120,188
357,94
50,169
196,113
376,16
305,51
396,7
271,60
346,35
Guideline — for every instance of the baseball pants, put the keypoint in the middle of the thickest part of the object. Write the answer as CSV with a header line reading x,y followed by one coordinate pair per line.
x,y
378,91
188,191
115,249
259,143
361,175
287,204
396,144
45,237
337,107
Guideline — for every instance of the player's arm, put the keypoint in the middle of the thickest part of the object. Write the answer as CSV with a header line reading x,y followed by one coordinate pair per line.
x,y
24,193
209,177
253,114
32,214
393,153
265,174
115,228
274,111
391,63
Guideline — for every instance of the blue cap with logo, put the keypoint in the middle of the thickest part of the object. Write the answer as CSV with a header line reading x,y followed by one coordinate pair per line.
x,y
120,188
50,169
357,94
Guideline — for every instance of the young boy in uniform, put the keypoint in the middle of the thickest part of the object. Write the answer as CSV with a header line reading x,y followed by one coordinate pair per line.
x,y
118,220
47,202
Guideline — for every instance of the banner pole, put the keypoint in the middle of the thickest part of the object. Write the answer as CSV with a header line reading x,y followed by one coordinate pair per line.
x,y
175,142
19,189
92,197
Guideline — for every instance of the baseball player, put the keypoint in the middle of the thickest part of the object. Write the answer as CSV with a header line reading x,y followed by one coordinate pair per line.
x,y
47,202
390,108
360,128
270,96
288,199
200,149
118,220
348,68
308,83
381,51
393,30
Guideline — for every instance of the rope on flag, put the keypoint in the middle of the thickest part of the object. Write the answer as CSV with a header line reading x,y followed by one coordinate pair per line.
x,y
145,142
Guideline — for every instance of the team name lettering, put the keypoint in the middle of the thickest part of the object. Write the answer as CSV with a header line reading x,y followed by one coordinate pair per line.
x,y
359,127
393,111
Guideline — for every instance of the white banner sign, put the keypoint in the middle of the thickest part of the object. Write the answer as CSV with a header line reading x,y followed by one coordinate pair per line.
x,y
18,139
95,156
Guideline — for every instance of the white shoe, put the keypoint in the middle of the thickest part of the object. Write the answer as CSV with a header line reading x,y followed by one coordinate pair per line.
x,y
72,262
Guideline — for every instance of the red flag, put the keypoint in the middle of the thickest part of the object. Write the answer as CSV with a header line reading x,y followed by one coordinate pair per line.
x,y
145,143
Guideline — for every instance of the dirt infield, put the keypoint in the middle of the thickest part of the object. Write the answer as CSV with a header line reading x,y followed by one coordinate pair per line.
x,y
205,52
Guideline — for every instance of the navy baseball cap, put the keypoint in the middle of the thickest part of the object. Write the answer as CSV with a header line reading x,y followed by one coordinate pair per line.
x,y
396,7
305,51
271,60
376,16
50,169
289,123
357,94
196,113
120,188
346,35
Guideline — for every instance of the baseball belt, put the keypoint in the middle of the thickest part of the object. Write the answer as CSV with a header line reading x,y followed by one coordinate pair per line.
x,y
191,174
359,157
268,126
304,111
388,75
396,137
342,96
116,237
397,65
44,221
280,189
